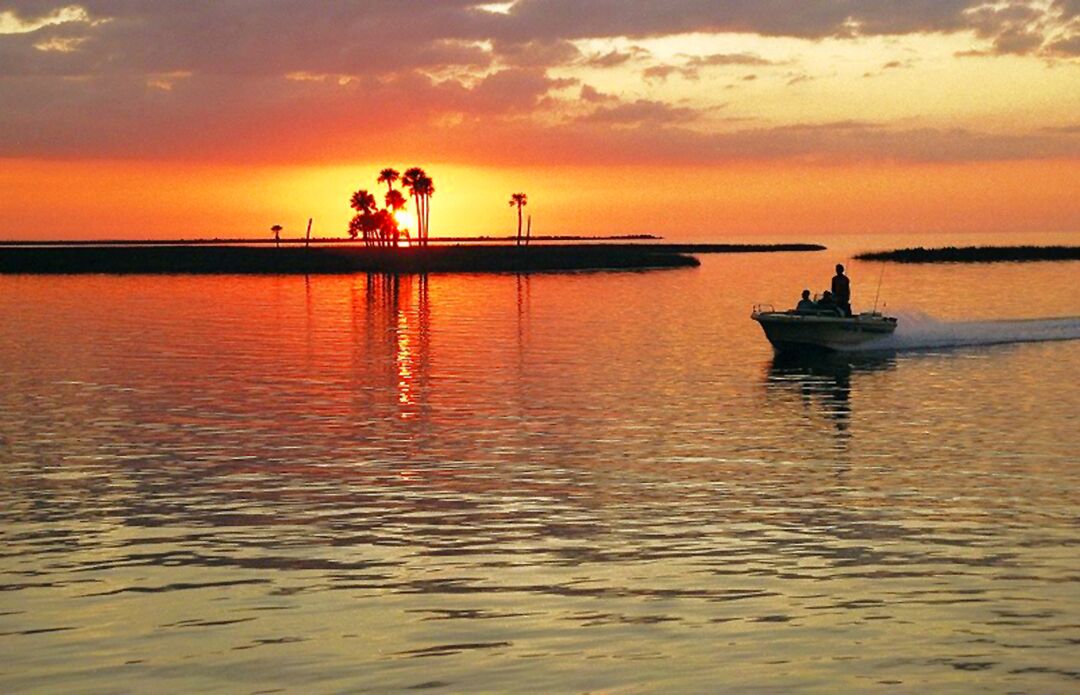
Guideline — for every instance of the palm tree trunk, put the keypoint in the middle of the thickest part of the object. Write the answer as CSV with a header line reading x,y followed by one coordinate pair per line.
x,y
427,218
419,220
519,225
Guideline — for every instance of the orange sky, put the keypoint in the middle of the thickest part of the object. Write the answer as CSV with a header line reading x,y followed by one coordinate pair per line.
x,y
798,117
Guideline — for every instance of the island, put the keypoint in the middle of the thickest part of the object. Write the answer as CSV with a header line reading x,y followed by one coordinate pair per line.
x,y
114,258
974,254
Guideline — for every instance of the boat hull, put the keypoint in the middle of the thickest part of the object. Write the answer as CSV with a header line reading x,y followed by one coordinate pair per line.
x,y
793,332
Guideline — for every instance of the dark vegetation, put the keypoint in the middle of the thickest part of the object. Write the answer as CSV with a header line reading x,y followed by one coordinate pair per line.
x,y
380,226
521,200
314,240
340,259
975,254
352,259
733,248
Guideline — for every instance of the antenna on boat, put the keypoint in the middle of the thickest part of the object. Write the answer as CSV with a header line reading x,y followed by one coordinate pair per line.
x,y
878,293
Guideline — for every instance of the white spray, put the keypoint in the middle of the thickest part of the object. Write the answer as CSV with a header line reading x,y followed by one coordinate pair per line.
x,y
917,331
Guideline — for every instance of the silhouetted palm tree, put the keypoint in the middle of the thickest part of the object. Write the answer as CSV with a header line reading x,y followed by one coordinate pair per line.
x,y
387,226
362,224
362,201
276,229
520,200
410,176
395,200
389,176
356,226
426,188
408,180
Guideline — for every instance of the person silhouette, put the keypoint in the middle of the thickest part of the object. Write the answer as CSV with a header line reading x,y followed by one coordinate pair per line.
x,y
805,304
841,290
828,304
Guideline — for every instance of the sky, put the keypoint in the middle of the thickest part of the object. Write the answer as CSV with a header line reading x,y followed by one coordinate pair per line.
x,y
684,118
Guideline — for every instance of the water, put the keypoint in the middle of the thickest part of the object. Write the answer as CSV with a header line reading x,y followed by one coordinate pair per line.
x,y
594,481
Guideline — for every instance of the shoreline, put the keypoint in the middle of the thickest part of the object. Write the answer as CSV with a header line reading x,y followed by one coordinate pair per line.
x,y
314,241
344,259
974,254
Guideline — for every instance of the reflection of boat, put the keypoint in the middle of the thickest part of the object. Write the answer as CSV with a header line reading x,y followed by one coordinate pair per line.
x,y
792,331
824,379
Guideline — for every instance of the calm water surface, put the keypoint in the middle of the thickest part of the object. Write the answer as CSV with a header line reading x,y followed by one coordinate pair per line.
x,y
594,481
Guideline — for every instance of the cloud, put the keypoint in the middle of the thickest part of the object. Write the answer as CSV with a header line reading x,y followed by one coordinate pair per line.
x,y
516,89
659,73
1022,27
594,96
536,54
727,59
1073,129
1067,48
691,68
799,18
891,65
357,37
644,142
611,59
294,79
643,111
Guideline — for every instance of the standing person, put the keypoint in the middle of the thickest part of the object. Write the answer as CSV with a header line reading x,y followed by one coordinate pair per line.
x,y
841,290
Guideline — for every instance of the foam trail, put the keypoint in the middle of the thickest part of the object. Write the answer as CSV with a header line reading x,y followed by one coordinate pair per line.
x,y
917,331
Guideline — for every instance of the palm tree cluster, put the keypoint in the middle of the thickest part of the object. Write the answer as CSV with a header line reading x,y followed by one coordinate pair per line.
x,y
379,227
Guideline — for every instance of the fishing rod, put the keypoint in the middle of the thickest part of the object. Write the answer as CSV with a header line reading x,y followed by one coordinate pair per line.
x,y
878,293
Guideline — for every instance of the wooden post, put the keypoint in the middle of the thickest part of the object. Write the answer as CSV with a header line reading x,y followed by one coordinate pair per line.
x,y
307,239
528,231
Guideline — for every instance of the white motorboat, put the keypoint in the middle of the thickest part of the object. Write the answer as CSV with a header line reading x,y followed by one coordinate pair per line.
x,y
807,331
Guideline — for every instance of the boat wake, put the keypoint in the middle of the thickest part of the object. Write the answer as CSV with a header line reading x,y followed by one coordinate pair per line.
x,y
917,331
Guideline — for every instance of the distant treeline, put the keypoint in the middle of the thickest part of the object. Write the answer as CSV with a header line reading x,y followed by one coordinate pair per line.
x,y
335,259
301,241
975,254
351,258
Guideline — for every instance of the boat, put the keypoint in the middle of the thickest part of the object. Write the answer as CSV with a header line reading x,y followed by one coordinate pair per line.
x,y
822,330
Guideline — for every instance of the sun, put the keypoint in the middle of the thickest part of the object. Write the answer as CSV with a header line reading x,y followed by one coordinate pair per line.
x,y
405,220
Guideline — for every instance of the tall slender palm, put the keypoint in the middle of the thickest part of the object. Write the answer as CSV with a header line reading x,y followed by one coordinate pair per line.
x,y
520,200
426,188
408,180
410,176
276,229
389,176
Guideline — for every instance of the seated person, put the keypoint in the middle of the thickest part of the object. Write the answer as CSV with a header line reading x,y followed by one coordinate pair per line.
x,y
828,305
805,304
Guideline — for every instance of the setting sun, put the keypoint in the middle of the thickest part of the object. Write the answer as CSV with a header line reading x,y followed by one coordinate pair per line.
x,y
406,221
